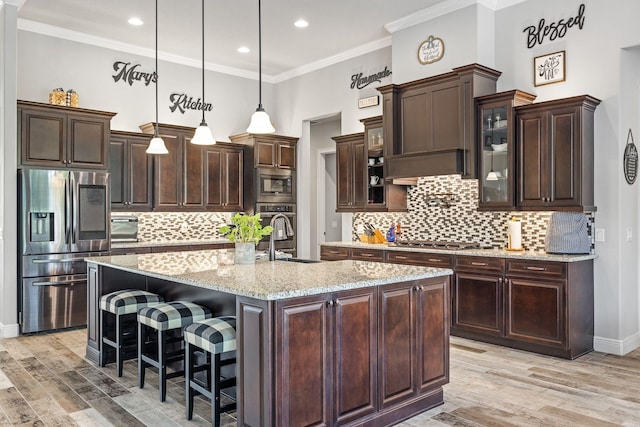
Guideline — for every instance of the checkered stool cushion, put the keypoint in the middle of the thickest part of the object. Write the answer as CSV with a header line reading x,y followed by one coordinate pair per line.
x,y
128,301
215,335
172,315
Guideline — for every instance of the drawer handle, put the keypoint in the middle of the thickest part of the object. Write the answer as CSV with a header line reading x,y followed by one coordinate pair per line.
x,y
479,263
535,268
400,257
435,260
367,255
334,252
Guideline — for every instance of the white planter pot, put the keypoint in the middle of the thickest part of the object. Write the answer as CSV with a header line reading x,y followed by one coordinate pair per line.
x,y
245,253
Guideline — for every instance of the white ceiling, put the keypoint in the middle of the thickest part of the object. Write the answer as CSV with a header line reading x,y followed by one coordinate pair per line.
x,y
337,28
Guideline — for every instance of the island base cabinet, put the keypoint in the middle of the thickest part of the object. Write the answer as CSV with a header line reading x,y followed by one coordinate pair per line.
x,y
326,358
413,352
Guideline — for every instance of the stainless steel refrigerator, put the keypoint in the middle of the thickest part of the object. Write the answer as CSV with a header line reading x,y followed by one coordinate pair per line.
x,y
63,217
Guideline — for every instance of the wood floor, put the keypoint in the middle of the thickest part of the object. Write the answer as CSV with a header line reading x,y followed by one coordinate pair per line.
x,y
45,381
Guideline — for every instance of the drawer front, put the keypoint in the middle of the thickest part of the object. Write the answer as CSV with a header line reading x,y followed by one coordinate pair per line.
x,y
129,251
537,268
332,253
420,258
472,263
376,255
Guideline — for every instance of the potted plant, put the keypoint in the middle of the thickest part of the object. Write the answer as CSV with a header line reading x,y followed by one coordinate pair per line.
x,y
246,232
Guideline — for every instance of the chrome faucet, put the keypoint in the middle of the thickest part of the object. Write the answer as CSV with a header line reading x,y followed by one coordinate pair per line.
x,y
272,246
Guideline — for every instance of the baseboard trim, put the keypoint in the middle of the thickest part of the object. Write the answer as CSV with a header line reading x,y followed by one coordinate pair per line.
x,y
617,347
9,331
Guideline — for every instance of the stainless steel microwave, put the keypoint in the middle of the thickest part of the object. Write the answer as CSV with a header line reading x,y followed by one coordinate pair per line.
x,y
275,185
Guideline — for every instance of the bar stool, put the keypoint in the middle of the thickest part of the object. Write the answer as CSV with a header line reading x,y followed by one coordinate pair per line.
x,y
214,336
169,316
124,305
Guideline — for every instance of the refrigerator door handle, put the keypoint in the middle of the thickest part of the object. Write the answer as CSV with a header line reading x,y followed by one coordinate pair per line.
x,y
56,261
73,206
64,283
66,212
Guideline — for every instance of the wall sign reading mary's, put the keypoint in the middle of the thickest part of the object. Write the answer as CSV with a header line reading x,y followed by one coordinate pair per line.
x,y
128,73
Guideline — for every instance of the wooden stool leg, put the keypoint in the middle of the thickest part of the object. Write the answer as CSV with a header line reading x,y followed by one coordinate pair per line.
x,y
142,336
215,391
188,373
163,366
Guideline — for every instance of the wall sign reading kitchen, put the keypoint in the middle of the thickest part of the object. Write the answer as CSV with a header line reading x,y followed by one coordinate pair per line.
x,y
358,81
554,30
129,74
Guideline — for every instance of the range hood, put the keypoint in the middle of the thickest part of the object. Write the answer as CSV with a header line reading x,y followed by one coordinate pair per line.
x,y
404,169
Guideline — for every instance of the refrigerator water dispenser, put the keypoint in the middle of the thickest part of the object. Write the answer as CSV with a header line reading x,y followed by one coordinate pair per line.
x,y
41,229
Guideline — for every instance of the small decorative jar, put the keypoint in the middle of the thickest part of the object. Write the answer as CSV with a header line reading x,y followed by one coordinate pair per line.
x,y
72,99
58,97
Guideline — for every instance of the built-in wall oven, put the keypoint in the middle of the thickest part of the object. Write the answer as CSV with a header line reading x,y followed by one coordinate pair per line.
x,y
276,186
267,212
63,218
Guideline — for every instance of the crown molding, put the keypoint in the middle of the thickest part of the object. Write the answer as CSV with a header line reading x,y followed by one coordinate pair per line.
x,y
445,8
76,36
17,3
343,56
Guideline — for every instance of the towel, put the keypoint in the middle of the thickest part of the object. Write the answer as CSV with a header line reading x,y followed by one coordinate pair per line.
x,y
282,228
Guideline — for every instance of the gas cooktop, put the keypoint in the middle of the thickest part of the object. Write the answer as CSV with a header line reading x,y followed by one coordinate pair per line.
x,y
437,244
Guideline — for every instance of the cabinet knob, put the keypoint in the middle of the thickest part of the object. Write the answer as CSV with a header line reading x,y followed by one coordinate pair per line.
x,y
330,303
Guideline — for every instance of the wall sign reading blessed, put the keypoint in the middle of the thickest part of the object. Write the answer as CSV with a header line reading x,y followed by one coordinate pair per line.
x,y
127,73
431,50
555,30
183,102
359,82
549,68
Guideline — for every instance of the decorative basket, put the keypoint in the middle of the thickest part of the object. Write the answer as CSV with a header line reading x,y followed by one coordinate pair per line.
x,y
58,97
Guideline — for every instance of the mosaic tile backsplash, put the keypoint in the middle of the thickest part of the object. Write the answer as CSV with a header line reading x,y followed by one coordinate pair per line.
x,y
432,216
179,226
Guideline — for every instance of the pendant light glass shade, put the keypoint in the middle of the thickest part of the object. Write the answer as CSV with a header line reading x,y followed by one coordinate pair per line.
x,y
492,176
260,121
156,145
203,135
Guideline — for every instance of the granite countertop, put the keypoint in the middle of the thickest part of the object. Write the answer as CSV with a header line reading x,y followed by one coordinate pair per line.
x,y
265,280
495,253
159,243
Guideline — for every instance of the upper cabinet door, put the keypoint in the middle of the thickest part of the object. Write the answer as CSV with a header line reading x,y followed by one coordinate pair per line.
x,y
265,154
286,155
63,137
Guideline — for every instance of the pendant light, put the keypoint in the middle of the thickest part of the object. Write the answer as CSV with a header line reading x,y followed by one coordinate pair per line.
x,y
156,146
203,134
492,175
260,122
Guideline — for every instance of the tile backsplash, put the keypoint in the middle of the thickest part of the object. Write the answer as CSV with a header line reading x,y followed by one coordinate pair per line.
x,y
446,208
179,226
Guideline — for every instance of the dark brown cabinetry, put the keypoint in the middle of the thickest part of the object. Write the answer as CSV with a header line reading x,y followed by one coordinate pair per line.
x,y
270,151
194,176
224,178
555,154
169,248
420,258
331,253
362,254
131,171
478,295
496,148
429,123
63,137
329,371
351,172
413,340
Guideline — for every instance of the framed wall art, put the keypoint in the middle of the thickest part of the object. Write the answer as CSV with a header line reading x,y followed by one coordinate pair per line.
x,y
549,68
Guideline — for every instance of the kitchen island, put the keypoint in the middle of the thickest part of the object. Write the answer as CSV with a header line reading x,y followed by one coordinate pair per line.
x,y
347,342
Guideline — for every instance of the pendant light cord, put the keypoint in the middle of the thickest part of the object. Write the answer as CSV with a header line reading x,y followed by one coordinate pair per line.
x,y
260,55
203,104
156,132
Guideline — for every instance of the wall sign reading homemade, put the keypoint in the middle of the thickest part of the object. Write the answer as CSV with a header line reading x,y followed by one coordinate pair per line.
x,y
358,81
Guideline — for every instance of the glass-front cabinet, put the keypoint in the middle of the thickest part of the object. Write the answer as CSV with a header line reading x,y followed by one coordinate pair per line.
x,y
375,162
496,133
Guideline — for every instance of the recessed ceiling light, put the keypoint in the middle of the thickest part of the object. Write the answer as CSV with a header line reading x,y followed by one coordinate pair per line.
x,y
244,49
301,23
135,21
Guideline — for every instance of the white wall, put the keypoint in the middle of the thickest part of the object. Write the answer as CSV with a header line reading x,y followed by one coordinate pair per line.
x,y
45,63
8,176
